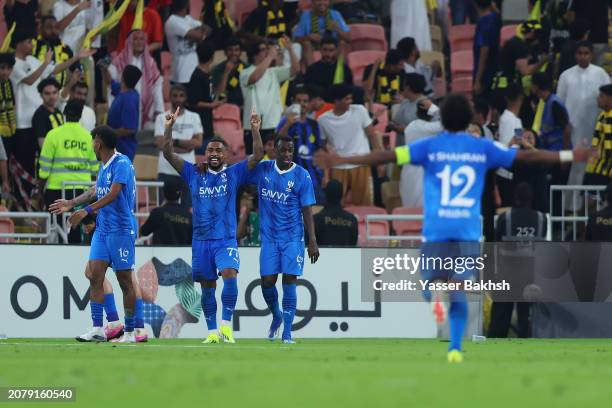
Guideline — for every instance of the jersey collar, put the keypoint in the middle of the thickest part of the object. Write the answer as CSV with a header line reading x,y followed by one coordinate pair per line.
x,y
217,172
105,166
279,171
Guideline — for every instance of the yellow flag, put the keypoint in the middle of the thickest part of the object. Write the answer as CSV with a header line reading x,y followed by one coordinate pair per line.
x,y
6,44
536,11
138,16
537,121
283,92
107,24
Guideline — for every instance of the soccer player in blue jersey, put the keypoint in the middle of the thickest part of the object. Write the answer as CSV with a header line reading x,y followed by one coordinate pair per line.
x,y
455,164
214,187
114,197
286,194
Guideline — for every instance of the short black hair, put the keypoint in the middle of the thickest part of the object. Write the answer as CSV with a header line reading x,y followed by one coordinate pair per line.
x,y
205,51
131,75
286,139
393,57
339,91
79,84
513,92
46,18
329,39
523,195
178,87
586,44
481,106
178,5
107,135
578,28
315,91
73,110
333,192
7,58
456,112
232,42
46,82
301,89
405,46
483,4
606,89
542,81
172,190
218,139
253,50
416,82
21,34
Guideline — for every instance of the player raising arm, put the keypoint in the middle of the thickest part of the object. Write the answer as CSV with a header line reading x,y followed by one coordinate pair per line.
x,y
214,187
286,195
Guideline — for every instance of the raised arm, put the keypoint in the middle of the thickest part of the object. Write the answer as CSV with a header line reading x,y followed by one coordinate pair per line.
x,y
175,160
579,154
260,69
65,22
258,150
313,247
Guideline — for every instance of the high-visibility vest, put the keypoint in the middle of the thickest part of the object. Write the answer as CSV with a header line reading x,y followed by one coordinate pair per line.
x,y
67,155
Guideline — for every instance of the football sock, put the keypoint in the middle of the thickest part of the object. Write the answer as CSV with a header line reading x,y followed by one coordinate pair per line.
x,y
97,310
129,321
139,314
271,297
209,306
289,305
110,308
229,296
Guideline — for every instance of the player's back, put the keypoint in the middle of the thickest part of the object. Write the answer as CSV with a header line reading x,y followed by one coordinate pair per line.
x,y
455,167
118,216
214,195
281,197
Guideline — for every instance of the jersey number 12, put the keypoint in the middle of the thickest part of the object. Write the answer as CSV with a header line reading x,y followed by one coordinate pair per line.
x,y
464,177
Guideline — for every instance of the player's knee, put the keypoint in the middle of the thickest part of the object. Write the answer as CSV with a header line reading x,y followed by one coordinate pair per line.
x,y
208,284
268,281
229,273
289,279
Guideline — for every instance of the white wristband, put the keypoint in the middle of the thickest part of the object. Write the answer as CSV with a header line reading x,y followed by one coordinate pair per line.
x,y
566,156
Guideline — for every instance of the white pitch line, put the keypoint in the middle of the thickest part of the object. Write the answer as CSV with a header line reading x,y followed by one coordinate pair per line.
x,y
168,346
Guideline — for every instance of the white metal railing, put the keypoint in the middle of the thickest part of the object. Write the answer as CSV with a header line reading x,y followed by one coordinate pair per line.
x,y
579,206
46,217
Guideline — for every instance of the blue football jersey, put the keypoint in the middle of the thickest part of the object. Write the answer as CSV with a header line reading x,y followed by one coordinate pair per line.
x,y
455,167
118,216
213,195
281,196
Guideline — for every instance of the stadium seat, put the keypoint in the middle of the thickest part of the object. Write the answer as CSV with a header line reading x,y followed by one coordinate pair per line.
x,y
462,63
428,57
376,228
229,114
146,198
367,37
461,37
360,211
437,41
463,85
359,60
439,87
242,9
235,140
7,227
507,32
407,227
145,166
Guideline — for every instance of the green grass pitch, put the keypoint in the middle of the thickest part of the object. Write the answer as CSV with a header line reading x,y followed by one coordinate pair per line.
x,y
313,373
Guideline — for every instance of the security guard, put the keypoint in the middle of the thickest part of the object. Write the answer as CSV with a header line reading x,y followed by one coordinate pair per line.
x,y
599,226
67,155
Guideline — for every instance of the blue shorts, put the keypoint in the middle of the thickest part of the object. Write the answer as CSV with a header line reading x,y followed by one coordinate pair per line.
x,y
210,257
281,257
450,261
117,249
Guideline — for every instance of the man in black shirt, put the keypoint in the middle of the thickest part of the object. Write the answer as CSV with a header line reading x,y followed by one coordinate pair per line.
x,y
327,71
200,96
47,116
226,74
599,226
333,225
520,223
171,223
596,13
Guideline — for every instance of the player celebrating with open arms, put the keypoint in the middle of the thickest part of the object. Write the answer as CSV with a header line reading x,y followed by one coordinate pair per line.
x,y
286,195
113,243
214,186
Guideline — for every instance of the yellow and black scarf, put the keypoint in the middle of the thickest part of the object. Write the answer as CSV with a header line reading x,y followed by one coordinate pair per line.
x,y
8,123
234,79
275,22
314,23
386,86
56,119
61,53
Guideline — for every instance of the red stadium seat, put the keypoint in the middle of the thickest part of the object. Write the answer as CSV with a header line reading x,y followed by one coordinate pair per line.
x,y
229,113
367,37
461,37
235,140
242,10
360,211
462,63
375,228
6,227
439,87
463,85
359,60
407,227
507,32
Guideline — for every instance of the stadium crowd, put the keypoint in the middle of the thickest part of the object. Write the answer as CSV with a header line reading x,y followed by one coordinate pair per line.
x,y
329,74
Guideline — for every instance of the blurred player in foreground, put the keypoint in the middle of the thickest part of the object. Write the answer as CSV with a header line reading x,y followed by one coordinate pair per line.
x,y
286,194
114,238
214,188
455,165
